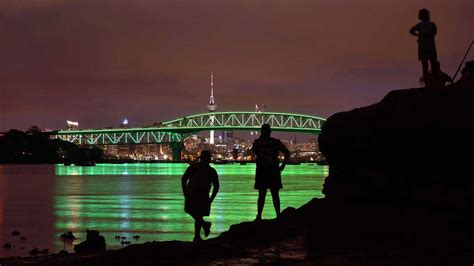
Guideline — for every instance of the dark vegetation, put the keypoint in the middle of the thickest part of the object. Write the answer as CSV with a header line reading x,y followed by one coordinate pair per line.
x,y
36,147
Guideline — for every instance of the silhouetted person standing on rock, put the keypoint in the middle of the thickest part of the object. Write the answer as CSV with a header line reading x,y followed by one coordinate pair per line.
x,y
437,79
268,174
196,183
425,31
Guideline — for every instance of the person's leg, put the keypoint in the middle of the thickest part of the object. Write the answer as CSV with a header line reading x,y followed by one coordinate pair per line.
x,y
424,65
432,62
198,222
206,226
262,193
276,200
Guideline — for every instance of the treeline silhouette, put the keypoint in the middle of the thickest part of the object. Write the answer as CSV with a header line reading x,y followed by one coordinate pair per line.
x,y
36,147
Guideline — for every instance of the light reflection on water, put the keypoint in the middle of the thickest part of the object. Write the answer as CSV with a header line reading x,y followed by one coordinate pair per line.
x,y
130,199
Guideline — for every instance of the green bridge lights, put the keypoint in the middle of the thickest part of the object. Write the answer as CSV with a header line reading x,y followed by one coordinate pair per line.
x,y
174,131
247,121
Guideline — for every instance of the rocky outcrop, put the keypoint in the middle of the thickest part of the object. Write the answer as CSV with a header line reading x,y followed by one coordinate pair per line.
x,y
94,243
415,145
401,179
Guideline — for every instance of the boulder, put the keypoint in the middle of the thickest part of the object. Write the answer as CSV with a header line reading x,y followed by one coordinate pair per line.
x,y
400,180
94,243
415,145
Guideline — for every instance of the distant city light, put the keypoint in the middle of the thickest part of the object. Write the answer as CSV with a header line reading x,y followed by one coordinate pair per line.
x,y
71,123
125,122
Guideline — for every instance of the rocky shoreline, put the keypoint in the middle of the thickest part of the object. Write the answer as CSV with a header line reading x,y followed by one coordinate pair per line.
x,y
343,236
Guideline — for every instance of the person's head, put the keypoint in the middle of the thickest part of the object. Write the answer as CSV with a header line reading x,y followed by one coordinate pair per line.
x,y
266,130
424,15
436,66
205,157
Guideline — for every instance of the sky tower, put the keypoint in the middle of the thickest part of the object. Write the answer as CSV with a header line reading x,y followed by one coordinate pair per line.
x,y
212,106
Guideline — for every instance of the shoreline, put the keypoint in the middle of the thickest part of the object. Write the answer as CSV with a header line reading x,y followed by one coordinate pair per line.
x,y
290,240
212,251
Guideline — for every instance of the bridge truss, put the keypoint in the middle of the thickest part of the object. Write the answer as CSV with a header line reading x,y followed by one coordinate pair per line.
x,y
247,121
117,137
176,130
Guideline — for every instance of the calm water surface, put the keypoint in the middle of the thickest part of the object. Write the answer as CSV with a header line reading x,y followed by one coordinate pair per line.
x,y
44,201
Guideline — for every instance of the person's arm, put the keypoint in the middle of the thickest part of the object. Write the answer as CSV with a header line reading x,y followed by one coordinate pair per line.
x,y
215,185
254,147
286,154
184,180
414,31
435,29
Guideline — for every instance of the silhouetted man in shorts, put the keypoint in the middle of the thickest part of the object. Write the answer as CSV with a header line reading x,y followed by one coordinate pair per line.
x,y
196,183
268,174
425,31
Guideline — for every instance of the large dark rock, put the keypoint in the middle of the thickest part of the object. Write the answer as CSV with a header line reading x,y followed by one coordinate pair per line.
x,y
94,243
401,179
415,145
251,234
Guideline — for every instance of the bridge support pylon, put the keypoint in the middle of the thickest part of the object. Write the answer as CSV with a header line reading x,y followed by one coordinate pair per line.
x,y
176,148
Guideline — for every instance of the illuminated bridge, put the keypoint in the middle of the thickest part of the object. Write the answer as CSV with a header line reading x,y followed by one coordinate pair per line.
x,y
175,131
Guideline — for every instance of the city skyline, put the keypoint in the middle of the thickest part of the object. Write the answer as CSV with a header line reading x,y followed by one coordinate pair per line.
x,y
101,62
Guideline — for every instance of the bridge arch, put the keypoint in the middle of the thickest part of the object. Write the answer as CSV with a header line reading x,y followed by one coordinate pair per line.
x,y
246,121
175,130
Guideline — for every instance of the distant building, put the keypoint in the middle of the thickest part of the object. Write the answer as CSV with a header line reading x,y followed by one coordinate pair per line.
x,y
227,136
124,123
212,106
70,125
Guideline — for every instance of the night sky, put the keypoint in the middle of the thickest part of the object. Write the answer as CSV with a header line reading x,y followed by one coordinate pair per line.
x,y
99,61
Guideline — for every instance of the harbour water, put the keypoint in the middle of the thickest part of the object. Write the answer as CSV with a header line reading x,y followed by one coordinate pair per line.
x,y
43,201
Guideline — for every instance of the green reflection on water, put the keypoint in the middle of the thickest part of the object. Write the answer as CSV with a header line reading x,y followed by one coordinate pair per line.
x,y
146,199
176,169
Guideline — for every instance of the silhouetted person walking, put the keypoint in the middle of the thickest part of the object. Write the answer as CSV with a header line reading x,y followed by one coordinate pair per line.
x,y
437,79
425,31
268,174
196,183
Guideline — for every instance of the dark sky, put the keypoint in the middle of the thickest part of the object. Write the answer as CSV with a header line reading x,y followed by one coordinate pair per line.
x,y
98,61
